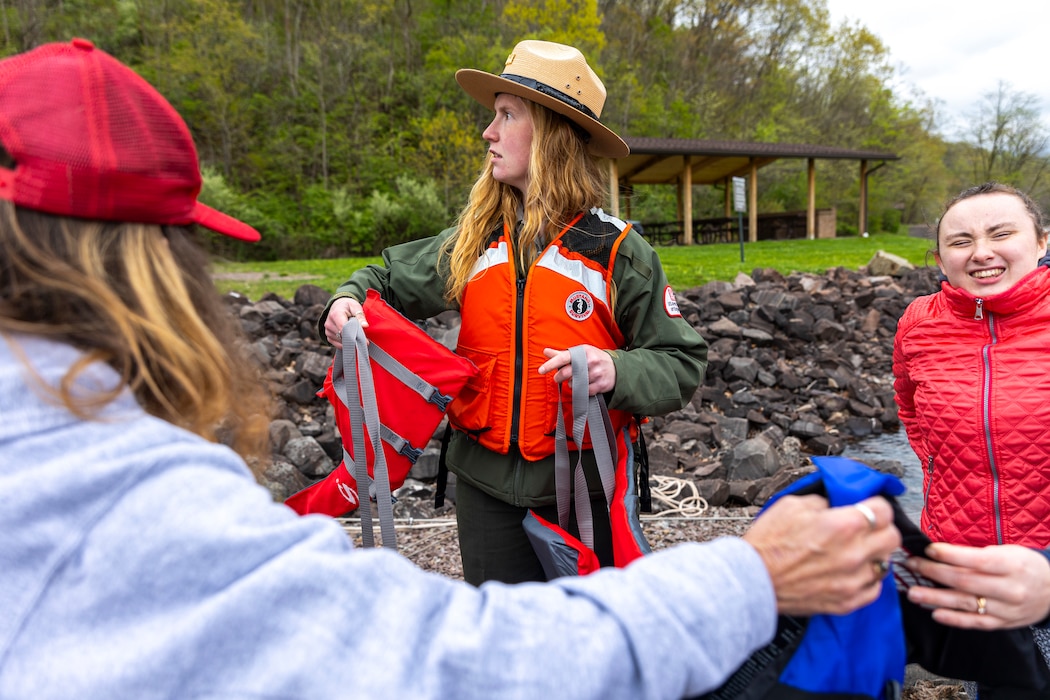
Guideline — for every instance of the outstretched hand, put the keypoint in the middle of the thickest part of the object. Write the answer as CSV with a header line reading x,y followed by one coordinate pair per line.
x,y
821,559
988,588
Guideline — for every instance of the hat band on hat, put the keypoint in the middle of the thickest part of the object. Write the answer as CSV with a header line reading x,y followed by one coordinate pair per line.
x,y
550,92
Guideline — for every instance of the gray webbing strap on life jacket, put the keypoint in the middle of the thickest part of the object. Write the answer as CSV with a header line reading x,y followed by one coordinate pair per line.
x,y
360,400
587,412
413,381
400,444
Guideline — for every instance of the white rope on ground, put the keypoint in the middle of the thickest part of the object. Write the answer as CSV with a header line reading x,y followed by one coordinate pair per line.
x,y
680,496
354,524
649,518
669,490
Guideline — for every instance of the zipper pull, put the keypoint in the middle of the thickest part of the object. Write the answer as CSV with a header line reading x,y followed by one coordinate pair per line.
x,y
929,464
979,313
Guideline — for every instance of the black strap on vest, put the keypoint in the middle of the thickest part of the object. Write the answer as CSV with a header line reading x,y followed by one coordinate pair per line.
x,y
442,475
641,460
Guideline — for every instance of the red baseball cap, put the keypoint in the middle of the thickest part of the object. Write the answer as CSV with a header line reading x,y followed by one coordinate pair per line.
x,y
91,139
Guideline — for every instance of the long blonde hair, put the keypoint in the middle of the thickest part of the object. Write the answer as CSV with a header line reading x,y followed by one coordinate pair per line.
x,y
564,180
139,298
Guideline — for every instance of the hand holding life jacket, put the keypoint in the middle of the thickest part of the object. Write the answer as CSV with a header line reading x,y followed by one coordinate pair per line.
x,y
560,553
392,389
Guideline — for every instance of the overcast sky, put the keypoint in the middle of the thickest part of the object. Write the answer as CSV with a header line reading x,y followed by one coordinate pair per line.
x,y
955,51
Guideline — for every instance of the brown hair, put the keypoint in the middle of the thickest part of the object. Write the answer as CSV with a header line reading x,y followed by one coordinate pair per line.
x,y
564,180
139,298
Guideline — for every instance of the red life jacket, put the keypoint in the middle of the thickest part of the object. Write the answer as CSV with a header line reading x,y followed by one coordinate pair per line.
x,y
507,322
415,379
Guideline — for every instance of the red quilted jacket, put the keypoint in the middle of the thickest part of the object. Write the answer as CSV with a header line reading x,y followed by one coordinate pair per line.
x,y
972,378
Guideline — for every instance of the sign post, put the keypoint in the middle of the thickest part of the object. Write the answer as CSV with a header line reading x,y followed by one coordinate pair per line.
x,y
740,206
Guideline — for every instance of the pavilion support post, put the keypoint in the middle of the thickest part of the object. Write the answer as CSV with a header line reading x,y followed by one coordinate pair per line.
x,y
727,197
687,200
811,199
862,210
752,203
614,188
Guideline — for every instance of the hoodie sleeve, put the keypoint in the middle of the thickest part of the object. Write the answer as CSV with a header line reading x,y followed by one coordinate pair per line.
x,y
191,582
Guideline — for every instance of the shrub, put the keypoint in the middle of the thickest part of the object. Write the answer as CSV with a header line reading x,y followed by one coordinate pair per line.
x,y
845,229
416,211
322,222
891,220
215,192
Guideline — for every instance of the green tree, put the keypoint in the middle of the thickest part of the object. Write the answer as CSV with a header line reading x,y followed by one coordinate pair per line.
x,y
574,22
450,151
1008,139
310,114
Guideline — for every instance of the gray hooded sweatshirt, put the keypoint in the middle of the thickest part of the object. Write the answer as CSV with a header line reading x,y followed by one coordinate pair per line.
x,y
140,561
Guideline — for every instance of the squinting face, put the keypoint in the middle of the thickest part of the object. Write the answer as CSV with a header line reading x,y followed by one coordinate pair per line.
x,y
986,243
510,138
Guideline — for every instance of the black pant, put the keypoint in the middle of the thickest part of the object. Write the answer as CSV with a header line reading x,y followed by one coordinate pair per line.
x,y
493,543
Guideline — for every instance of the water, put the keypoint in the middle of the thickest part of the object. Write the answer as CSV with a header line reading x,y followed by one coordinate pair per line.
x,y
893,446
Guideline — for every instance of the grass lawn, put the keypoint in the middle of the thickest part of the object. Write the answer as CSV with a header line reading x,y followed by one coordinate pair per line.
x,y
685,266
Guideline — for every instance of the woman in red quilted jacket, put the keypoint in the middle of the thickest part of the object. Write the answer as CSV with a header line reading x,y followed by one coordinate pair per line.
x,y
971,378
970,366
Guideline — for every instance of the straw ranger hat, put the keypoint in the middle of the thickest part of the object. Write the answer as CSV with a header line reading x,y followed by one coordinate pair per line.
x,y
556,76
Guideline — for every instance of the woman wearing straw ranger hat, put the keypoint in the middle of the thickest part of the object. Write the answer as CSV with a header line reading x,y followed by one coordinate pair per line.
x,y
535,267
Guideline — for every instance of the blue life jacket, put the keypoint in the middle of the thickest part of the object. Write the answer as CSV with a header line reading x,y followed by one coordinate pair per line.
x,y
859,655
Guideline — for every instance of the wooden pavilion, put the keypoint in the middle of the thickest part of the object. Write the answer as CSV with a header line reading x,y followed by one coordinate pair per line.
x,y
687,162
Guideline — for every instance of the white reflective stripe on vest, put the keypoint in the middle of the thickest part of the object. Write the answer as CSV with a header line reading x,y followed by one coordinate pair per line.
x,y
492,257
592,280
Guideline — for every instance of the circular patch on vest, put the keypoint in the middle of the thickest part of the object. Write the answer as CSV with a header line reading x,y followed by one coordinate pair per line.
x,y
579,306
670,303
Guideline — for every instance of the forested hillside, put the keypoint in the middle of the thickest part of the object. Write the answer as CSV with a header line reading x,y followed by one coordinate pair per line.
x,y
336,126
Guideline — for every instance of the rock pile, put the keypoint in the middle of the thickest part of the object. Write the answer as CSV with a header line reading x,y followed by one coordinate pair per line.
x,y
799,365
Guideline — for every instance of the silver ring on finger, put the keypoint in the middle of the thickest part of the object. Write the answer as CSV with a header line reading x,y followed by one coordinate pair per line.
x,y
868,514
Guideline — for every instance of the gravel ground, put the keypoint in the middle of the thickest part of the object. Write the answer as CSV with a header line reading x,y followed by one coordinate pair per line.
x,y
432,544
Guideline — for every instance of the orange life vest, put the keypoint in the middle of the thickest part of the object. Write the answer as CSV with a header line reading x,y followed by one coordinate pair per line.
x,y
565,300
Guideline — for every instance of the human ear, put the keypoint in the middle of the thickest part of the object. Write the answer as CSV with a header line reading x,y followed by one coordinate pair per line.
x,y
940,266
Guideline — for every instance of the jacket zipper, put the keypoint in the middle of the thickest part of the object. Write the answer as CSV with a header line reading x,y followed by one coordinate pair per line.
x,y
929,481
978,313
986,417
515,416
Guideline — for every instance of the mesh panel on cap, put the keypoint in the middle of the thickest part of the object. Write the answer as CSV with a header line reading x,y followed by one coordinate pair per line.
x,y
148,138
